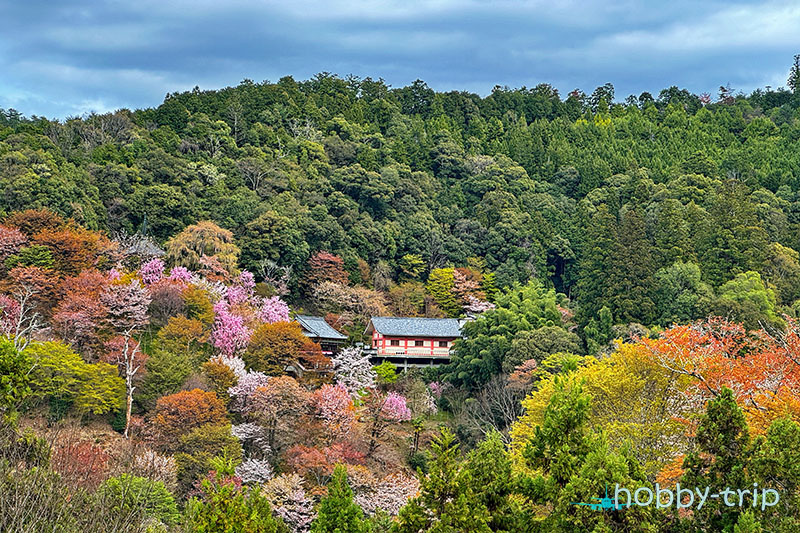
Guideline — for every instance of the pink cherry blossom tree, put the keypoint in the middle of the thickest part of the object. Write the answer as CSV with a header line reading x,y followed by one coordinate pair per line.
x,y
230,334
333,406
181,274
382,411
390,494
271,310
152,271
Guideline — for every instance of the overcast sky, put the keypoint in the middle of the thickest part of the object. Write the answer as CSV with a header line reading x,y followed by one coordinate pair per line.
x,y
65,58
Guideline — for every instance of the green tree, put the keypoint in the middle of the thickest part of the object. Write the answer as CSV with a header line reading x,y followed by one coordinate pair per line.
x,y
138,498
338,513
775,464
731,239
14,381
492,482
223,506
572,463
719,461
61,374
629,276
166,372
745,299
794,75
595,261
488,340
440,286
446,503
680,295
36,255
540,343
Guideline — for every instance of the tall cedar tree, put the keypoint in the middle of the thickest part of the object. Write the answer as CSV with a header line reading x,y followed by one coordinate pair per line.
x,y
446,503
720,461
338,512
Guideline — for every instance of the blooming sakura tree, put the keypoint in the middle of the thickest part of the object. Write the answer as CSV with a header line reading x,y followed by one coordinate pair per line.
x,y
11,240
289,501
253,437
333,405
273,310
247,281
152,271
230,334
390,494
242,393
153,465
353,370
181,274
236,294
79,314
236,364
474,306
395,409
467,286
253,470
381,412
127,306
278,405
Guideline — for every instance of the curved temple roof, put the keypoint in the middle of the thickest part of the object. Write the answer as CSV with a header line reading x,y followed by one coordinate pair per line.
x,y
317,327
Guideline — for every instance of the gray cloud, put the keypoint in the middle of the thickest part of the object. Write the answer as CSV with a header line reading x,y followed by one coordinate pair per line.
x,y
68,58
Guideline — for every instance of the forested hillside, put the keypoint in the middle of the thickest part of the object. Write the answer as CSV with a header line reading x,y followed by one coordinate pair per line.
x,y
630,272
616,205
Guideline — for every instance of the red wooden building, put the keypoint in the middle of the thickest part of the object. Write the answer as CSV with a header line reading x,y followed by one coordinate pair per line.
x,y
412,341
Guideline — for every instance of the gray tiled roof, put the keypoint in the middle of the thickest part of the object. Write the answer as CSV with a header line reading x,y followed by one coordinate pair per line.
x,y
317,326
416,327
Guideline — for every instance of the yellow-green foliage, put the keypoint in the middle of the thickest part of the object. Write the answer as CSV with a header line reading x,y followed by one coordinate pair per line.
x,y
61,373
634,400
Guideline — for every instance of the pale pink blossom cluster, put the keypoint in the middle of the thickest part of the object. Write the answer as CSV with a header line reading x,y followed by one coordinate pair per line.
x,y
390,494
333,405
253,437
247,281
152,271
127,305
430,406
395,408
254,470
236,364
475,305
114,274
273,310
230,334
9,315
236,294
181,274
243,390
290,502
